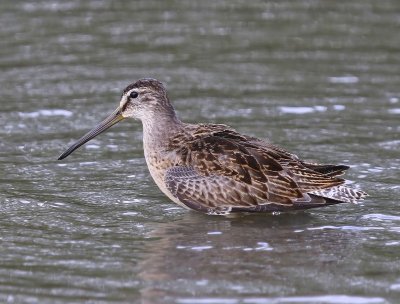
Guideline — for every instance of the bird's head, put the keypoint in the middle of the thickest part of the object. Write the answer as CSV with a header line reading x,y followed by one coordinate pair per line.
x,y
143,99
146,99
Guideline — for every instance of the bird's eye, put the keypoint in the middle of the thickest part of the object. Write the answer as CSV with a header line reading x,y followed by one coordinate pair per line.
x,y
134,94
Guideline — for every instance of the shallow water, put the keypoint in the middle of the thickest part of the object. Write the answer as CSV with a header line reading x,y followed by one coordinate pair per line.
x,y
318,78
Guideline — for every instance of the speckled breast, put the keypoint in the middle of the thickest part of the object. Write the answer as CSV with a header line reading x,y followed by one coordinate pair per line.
x,y
158,165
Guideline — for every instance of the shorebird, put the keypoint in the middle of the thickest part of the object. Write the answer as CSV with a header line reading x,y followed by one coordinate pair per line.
x,y
212,168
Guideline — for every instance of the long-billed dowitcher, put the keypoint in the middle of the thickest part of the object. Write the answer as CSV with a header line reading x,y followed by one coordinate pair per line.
x,y
213,169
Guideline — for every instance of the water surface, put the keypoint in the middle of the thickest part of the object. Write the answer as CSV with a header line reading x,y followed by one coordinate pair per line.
x,y
318,78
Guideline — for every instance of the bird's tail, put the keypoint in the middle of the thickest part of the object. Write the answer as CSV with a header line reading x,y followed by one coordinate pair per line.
x,y
341,194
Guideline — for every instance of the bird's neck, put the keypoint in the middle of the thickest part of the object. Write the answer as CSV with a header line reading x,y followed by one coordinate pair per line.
x,y
158,129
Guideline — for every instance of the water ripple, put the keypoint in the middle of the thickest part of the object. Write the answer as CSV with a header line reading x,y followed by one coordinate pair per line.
x,y
328,299
381,217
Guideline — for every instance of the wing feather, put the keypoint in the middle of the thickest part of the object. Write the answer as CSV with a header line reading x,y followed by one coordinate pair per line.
x,y
223,171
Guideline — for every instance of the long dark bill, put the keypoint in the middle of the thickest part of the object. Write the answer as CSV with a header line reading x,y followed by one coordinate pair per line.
x,y
111,120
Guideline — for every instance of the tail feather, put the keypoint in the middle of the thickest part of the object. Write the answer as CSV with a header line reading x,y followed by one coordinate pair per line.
x,y
341,193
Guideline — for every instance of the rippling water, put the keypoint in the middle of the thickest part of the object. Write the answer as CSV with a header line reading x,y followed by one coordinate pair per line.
x,y
318,78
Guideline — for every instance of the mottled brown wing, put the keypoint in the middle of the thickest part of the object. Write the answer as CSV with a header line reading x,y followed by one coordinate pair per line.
x,y
329,170
222,195
215,155
223,170
213,194
309,177
325,169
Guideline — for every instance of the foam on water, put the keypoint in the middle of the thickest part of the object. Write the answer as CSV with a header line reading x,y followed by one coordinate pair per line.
x,y
301,110
344,79
45,112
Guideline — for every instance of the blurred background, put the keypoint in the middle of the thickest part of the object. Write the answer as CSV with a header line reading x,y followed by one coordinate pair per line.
x,y
319,78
